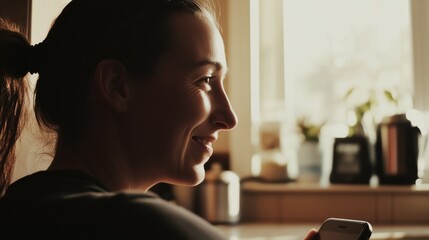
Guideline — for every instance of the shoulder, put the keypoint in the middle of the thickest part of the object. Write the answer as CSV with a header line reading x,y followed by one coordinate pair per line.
x,y
72,204
140,215
112,216
158,218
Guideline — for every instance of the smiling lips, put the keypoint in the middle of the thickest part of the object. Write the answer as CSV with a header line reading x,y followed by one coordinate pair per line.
x,y
206,142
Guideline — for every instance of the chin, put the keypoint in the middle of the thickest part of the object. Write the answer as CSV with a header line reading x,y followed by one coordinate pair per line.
x,y
199,175
199,180
192,178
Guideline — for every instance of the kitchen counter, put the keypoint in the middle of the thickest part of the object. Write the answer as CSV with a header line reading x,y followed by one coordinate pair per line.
x,y
302,203
333,188
281,231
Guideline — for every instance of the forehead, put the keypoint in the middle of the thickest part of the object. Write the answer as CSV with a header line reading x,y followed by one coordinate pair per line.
x,y
195,38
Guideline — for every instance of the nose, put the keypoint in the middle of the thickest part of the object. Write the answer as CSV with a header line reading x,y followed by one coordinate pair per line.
x,y
223,115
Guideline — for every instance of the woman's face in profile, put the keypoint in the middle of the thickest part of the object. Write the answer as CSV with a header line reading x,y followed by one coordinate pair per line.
x,y
178,111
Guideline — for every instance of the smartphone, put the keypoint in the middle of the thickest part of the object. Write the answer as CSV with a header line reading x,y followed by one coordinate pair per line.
x,y
344,229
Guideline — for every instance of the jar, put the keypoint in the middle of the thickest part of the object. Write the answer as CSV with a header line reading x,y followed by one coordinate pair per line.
x,y
220,196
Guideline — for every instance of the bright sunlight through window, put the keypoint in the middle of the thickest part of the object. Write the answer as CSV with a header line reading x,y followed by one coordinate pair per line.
x,y
319,59
328,63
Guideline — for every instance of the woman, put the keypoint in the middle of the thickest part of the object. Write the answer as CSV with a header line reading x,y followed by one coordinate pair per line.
x,y
134,92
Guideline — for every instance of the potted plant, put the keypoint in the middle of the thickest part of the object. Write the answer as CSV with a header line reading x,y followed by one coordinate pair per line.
x,y
367,108
309,154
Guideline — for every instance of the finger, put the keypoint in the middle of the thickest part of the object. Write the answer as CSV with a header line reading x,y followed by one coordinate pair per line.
x,y
312,235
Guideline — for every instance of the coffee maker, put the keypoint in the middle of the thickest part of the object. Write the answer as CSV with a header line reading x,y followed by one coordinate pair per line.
x,y
397,151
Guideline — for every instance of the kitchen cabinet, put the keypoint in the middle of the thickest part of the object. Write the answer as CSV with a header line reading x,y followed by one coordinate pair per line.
x,y
294,202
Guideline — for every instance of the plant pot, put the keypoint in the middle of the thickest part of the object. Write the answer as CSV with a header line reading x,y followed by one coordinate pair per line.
x,y
309,162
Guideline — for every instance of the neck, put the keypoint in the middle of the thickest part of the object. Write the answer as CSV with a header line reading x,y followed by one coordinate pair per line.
x,y
99,160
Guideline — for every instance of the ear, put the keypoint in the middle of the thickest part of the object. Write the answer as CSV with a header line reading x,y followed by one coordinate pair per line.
x,y
111,80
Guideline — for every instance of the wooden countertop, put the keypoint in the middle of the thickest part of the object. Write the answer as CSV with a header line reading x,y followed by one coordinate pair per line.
x,y
282,231
314,202
326,188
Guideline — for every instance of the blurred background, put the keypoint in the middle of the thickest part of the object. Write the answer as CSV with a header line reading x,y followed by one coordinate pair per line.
x,y
301,74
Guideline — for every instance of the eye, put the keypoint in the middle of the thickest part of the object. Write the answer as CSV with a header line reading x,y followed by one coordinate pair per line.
x,y
205,83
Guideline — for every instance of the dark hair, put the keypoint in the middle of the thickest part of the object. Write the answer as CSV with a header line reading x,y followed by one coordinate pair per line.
x,y
13,91
87,31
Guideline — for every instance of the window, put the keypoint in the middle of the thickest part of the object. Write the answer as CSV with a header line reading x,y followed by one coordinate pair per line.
x,y
314,52
320,60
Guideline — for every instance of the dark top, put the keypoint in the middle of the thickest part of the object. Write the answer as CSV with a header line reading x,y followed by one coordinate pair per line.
x,y
72,205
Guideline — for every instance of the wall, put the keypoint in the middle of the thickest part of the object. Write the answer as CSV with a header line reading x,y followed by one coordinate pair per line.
x,y
17,11
420,28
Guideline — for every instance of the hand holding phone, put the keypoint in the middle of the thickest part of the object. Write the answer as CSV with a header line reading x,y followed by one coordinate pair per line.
x,y
344,229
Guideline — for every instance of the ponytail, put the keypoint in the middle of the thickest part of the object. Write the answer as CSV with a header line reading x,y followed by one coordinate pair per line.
x,y
15,50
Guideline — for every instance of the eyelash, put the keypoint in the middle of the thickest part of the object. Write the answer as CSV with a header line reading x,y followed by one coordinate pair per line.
x,y
206,82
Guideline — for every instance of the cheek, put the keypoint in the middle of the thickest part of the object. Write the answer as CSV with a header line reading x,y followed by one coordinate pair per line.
x,y
202,107
196,108
206,105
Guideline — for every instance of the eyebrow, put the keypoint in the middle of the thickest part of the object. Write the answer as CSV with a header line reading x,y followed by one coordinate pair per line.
x,y
217,64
